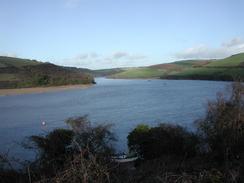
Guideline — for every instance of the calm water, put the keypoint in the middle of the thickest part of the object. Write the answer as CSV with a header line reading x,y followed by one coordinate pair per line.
x,y
125,103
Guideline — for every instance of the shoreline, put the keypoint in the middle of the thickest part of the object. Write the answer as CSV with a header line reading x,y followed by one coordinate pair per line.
x,y
176,79
21,91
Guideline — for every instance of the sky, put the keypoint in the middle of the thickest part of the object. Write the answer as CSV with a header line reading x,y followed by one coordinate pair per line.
x,y
100,34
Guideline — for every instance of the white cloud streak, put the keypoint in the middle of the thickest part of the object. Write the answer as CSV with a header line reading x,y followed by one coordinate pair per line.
x,y
8,54
98,61
233,46
119,54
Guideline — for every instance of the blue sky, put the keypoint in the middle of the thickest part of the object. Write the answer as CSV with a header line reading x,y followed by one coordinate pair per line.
x,y
120,33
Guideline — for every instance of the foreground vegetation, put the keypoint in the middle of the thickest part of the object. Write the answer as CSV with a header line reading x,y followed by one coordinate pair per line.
x,y
228,69
213,153
22,73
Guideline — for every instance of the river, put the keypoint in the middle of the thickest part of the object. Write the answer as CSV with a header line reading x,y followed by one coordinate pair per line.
x,y
124,103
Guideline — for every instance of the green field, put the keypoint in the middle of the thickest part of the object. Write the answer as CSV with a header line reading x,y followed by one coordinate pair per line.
x,y
230,68
139,73
232,61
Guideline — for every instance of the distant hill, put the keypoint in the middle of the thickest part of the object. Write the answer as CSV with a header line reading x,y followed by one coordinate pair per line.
x,y
106,72
16,62
19,73
227,69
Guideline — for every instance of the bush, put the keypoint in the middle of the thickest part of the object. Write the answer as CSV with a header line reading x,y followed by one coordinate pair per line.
x,y
166,139
136,139
52,148
95,139
42,80
63,147
83,169
223,127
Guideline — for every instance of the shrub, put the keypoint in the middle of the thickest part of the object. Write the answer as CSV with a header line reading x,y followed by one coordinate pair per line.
x,y
84,147
83,169
136,138
42,80
223,127
95,139
165,139
52,148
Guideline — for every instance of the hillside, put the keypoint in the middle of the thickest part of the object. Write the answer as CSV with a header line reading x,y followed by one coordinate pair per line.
x,y
16,62
106,72
20,73
227,69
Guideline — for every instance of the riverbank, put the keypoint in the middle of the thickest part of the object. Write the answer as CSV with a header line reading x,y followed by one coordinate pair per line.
x,y
20,91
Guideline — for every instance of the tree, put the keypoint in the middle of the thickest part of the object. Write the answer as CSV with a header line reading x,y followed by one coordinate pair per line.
x,y
95,139
223,127
165,139
136,139
52,148
42,80
85,147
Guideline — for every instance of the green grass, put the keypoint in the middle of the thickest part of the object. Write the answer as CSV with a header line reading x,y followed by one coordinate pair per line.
x,y
139,73
186,63
106,72
16,62
229,68
212,73
232,61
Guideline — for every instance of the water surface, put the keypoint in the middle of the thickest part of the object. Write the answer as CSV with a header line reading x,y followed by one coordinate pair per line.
x,y
125,103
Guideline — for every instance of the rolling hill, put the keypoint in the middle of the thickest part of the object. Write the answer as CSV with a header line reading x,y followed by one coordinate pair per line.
x,y
227,69
20,73
16,62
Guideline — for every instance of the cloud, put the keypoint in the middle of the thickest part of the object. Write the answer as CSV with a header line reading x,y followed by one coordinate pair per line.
x,y
94,55
128,56
98,61
137,57
233,43
8,54
233,46
82,56
118,55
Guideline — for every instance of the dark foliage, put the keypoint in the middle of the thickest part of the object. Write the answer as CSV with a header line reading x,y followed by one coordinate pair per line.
x,y
52,149
43,74
223,127
42,80
84,147
219,77
96,139
165,139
